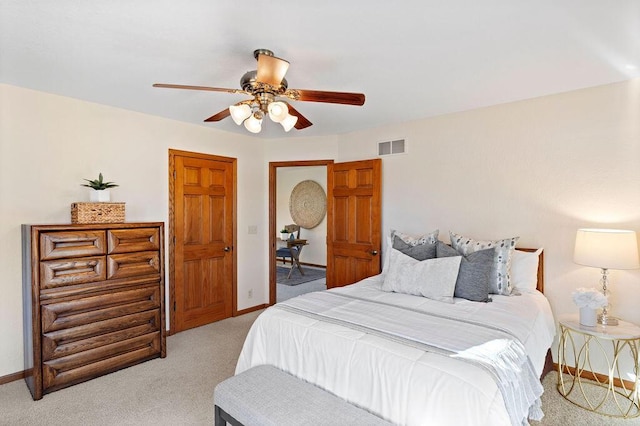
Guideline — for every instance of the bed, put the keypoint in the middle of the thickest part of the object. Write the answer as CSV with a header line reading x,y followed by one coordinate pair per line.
x,y
409,359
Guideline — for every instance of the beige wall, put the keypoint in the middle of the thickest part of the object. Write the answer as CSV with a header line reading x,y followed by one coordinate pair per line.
x,y
540,169
287,178
48,144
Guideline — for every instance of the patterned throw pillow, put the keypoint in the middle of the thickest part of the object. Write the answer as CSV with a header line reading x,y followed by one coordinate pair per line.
x,y
429,238
419,247
501,270
422,247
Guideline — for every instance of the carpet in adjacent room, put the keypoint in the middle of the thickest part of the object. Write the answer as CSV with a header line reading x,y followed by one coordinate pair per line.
x,y
310,274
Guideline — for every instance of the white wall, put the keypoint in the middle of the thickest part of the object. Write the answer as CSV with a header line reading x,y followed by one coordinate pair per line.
x,y
540,169
287,178
48,144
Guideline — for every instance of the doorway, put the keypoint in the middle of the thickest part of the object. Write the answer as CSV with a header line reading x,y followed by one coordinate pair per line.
x,y
301,255
202,239
276,222
353,220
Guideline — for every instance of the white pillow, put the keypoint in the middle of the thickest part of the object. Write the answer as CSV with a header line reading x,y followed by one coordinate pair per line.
x,y
432,278
387,254
524,270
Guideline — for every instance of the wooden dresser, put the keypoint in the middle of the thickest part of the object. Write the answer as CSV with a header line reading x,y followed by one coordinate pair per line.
x,y
93,300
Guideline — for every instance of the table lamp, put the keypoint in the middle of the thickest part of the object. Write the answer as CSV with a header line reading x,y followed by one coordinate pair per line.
x,y
606,249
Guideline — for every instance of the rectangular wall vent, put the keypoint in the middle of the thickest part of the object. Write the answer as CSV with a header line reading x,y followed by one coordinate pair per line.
x,y
392,147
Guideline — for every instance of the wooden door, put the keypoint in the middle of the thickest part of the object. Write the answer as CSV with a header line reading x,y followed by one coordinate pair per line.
x,y
203,219
353,221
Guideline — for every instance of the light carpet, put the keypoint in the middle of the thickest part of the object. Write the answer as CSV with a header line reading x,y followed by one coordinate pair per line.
x,y
178,390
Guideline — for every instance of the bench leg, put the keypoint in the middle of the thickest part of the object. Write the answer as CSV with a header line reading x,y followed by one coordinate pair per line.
x,y
219,421
221,418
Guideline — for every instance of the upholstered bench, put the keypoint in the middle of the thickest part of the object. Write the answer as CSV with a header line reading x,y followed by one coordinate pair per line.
x,y
265,395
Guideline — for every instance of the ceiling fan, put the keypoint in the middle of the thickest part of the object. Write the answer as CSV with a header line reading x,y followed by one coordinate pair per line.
x,y
265,85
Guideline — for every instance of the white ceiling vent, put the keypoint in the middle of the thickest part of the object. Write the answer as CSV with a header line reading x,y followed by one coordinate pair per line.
x,y
391,147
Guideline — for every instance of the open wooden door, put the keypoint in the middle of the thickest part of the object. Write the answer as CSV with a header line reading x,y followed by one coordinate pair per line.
x,y
202,236
353,221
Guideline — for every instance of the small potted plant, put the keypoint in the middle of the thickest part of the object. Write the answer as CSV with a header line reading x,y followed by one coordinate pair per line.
x,y
284,235
101,191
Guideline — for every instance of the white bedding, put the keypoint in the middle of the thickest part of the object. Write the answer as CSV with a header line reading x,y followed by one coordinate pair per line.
x,y
400,382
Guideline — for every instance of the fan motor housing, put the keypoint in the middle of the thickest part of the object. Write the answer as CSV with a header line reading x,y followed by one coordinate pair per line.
x,y
249,83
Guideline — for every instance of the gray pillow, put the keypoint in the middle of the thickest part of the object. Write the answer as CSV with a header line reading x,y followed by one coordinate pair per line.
x,y
500,282
419,252
474,277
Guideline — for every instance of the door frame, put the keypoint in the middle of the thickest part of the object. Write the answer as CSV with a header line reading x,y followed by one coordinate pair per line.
x,y
171,229
273,167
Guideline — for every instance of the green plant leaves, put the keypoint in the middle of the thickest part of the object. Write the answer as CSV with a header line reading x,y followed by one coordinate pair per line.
x,y
99,184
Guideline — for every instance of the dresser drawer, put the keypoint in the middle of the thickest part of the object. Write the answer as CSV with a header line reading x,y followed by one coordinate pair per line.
x,y
69,341
74,313
133,264
58,273
85,365
130,240
61,244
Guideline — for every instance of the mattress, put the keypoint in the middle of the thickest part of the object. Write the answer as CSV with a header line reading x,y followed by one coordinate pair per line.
x,y
368,347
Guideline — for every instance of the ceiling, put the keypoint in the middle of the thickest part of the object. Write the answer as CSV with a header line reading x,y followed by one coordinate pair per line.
x,y
412,59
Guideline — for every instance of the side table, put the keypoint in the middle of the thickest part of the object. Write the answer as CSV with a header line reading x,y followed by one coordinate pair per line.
x,y
596,394
295,248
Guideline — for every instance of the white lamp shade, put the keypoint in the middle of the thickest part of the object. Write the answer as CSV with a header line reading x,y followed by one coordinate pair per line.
x,y
278,111
289,122
253,124
607,248
239,113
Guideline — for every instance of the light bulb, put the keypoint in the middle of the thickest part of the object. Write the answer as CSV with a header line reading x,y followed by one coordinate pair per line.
x,y
253,124
278,111
289,122
239,113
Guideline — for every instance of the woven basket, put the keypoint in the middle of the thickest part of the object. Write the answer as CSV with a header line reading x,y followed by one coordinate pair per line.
x,y
97,213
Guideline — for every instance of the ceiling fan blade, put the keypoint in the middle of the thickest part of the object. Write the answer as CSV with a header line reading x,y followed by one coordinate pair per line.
x,y
344,98
210,89
219,116
302,122
271,70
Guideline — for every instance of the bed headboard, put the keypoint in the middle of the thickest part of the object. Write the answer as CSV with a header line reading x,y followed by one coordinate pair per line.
x,y
540,286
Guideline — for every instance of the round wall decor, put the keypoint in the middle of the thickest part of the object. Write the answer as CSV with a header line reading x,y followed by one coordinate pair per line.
x,y
308,204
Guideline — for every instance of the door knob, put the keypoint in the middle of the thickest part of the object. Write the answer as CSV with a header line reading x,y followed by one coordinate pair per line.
x,y
227,248
374,252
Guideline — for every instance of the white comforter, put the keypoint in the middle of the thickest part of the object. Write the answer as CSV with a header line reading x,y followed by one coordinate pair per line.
x,y
401,382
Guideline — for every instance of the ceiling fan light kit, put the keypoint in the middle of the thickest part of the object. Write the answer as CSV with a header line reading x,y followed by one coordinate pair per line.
x,y
239,113
289,122
253,124
265,85
278,111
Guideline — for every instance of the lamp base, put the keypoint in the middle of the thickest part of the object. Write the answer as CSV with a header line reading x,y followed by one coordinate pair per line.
x,y
607,320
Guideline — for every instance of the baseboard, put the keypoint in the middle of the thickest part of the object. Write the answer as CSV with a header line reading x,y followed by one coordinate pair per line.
x,y
602,378
251,309
12,377
279,262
